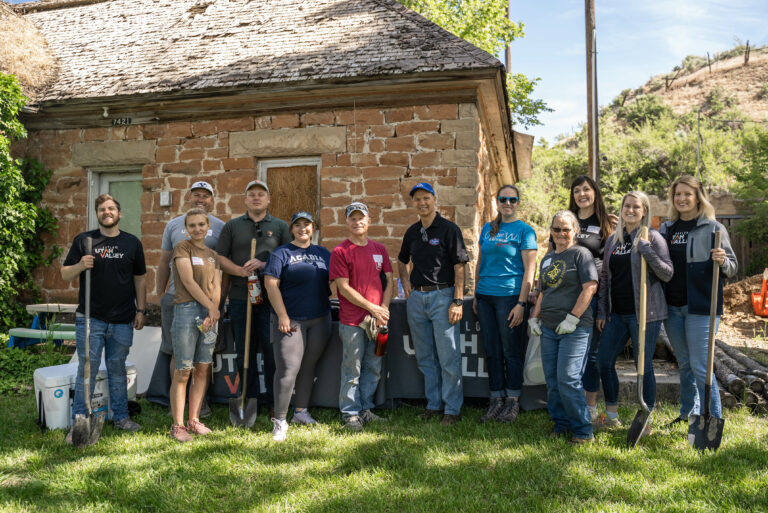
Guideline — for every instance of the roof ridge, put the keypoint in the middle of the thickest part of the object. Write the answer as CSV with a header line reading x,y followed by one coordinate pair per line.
x,y
50,5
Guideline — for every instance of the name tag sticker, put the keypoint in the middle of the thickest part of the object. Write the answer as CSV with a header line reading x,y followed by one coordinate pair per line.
x,y
546,263
209,233
593,229
197,261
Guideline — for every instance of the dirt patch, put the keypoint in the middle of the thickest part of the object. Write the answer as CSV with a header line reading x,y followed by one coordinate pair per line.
x,y
739,326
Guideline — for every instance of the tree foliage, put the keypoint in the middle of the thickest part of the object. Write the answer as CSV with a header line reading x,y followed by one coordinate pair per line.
x,y
22,221
484,23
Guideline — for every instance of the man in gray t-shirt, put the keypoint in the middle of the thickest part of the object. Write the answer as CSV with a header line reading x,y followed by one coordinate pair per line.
x,y
561,278
200,196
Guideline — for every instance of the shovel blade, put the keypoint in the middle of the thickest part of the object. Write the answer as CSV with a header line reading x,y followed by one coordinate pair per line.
x,y
705,432
243,417
97,424
81,430
637,428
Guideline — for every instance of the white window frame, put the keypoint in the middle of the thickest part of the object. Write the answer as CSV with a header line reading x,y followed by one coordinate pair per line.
x,y
99,179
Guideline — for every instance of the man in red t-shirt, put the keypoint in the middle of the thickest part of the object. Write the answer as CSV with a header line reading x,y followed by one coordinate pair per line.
x,y
356,267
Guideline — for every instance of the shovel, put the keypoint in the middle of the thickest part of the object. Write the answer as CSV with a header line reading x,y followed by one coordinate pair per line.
x,y
705,431
643,414
87,428
243,411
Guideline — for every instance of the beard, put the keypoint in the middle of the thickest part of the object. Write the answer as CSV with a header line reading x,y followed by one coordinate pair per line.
x,y
110,223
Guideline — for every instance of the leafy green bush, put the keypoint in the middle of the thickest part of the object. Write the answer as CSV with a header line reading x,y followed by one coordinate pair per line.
x,y
22,221
17,366
762,94
643,110
717,101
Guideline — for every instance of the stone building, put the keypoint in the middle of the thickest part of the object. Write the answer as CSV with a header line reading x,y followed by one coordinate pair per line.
x,y
329,101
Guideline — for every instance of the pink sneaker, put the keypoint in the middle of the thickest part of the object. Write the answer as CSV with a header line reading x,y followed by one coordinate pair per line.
x,y
180,433
197,428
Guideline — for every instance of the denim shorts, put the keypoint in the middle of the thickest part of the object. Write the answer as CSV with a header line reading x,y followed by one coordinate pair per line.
x,y
189,345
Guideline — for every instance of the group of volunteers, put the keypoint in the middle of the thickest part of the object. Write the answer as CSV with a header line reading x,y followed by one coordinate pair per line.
x,y
586,305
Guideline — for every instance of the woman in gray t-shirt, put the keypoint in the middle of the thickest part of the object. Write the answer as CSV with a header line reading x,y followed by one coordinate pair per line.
x,y
568,280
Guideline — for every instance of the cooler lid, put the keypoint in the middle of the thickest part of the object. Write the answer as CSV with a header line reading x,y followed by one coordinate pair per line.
x,y
55,376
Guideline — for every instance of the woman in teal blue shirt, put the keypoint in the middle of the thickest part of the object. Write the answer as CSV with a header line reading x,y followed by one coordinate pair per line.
x,y
506,265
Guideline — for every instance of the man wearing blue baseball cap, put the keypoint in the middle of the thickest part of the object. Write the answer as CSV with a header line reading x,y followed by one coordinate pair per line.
x,y
435,249
200,196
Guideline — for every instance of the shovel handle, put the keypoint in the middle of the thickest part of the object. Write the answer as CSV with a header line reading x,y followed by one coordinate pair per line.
x,y
712,318
247,349
642,312
87,342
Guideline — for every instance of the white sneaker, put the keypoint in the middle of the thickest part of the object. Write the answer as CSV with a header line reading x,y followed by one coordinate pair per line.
x,y
279,430
303,417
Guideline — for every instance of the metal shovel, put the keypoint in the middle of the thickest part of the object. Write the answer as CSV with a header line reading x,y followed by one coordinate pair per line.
x,y
705,431
243,411
637,428
87,428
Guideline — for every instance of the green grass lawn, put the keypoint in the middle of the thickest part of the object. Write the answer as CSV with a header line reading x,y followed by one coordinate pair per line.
x,y
403,465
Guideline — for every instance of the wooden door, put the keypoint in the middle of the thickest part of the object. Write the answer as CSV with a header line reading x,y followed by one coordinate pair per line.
x,y
293,188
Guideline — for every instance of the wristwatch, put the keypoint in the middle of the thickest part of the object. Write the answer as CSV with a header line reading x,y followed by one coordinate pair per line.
x,y
522,303
143,312
458,302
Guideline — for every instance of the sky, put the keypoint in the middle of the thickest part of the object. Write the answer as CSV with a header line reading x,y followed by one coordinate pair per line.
x,y
636,39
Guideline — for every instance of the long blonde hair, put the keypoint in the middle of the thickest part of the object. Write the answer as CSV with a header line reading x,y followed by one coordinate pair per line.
x,y
645,221
705,208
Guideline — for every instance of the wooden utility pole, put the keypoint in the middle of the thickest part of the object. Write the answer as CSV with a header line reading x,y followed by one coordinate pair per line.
x,y
592,127
507,51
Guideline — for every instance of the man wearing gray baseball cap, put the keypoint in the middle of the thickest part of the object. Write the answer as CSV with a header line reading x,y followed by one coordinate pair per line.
x,y
356,267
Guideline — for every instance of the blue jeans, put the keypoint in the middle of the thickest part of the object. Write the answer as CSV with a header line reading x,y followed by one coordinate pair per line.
x,y
438,353
360,371
562,357
115,340
504,346
189,345
689,336
260,339
612,343
591,378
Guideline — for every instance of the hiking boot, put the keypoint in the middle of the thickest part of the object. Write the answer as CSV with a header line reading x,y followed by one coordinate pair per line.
x,y
353,423
198,428
430,414
367,416
303,417
127,424
180,433
68,438
580,441
279,430
605,422
450,420
510,412
494,408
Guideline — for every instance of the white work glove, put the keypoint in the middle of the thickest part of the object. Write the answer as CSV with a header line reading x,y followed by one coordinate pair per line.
x,y
535,324
569,325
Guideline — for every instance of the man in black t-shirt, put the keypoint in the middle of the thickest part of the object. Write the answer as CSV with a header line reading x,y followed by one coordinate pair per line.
x,y
118,302
435,291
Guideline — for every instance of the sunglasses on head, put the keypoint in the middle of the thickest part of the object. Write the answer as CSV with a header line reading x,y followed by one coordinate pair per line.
x,y
564,230
508,199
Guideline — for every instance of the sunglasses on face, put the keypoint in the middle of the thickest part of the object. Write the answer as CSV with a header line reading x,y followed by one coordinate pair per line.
x,y
563,230
508,199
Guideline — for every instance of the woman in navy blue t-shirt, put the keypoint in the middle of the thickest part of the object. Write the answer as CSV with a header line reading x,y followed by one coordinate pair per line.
x,y
296,279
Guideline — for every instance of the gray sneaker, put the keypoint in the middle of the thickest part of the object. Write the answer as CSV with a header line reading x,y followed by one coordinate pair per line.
x,y
127,424
494,408
279,430
303,417
367,416
353,423
510,411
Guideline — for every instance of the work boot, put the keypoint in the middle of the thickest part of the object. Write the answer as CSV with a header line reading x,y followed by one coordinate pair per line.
x,y
510,412
494,408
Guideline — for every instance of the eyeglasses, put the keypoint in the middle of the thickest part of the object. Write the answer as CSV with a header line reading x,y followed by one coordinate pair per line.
x,y
508,199
424,234
256,230
564,230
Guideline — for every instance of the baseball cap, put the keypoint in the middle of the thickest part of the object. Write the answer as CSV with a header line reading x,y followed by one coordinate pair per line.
x,y
302,215
256,183
357,206
424,186
202,185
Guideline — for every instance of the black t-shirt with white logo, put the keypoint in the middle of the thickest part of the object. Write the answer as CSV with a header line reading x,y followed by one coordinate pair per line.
x,y
622,289
676,290
434,251
117,260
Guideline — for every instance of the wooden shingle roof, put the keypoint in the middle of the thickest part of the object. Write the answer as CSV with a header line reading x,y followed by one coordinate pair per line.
x,y
129,47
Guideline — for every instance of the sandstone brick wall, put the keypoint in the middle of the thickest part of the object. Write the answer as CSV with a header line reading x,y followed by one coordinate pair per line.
x,y
381,155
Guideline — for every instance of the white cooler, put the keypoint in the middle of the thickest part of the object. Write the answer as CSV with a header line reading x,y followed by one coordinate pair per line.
x,y
53,386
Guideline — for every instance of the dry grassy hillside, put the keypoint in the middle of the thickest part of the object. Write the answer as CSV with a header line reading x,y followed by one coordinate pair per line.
x,y
749,84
